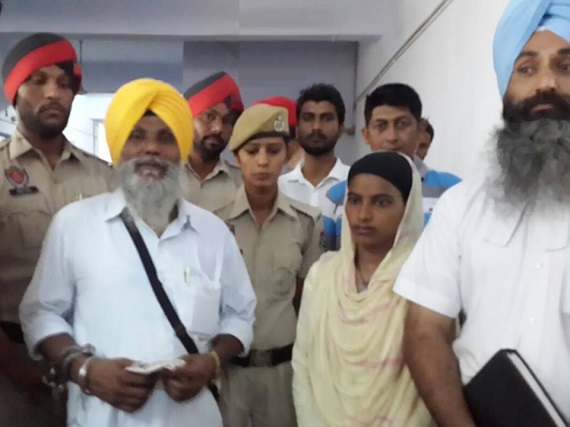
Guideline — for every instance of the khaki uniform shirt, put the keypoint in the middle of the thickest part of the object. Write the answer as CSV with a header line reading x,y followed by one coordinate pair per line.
x,y
276,254
216,190
31,192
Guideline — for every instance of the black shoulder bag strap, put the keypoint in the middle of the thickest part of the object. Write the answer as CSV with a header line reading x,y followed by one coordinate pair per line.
x,y
157,287
159,292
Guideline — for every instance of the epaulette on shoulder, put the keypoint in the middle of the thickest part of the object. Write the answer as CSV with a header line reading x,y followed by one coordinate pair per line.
x,y
305,209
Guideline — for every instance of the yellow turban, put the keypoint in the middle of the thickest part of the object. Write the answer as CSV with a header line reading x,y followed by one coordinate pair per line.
x,y
135,98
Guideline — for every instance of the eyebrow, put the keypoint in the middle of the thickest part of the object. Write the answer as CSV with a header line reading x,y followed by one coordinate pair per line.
x,y
527,54
533,54
391,119
372,196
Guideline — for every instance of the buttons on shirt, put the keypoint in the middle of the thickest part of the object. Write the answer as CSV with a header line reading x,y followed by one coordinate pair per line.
x,y
532,322
539,265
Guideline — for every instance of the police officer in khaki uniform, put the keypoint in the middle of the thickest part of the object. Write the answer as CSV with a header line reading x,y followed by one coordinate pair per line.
x,y
216,104
279,240
41,173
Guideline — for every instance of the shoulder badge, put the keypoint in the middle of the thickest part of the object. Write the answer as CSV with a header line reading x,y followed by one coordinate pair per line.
x,y
19,179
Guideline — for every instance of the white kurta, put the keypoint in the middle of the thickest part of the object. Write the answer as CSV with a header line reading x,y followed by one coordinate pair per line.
x,y
90,283
509,272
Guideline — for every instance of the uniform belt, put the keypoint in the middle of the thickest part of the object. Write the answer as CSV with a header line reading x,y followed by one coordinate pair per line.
x,y
268,358
13,331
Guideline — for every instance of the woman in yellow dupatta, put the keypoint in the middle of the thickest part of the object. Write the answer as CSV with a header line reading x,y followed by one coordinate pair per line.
x,y
347,360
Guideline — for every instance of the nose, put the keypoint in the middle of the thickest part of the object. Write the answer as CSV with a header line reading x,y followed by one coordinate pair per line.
x,y
262,159
217,125
317,125
52,90
547,82
391,134
151,147
365,212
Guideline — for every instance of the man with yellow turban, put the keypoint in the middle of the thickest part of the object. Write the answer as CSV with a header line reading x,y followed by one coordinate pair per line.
x,y
139,277
40,172
216,104
497,247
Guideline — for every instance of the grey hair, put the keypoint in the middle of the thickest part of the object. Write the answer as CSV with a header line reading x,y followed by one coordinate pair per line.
x,y
533,159
152,200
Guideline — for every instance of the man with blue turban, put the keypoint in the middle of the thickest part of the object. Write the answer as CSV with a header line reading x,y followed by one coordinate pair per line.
x,y
90,309
498,247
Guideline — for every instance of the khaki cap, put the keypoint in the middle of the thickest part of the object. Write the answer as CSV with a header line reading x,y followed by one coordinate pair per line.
x,y
262,120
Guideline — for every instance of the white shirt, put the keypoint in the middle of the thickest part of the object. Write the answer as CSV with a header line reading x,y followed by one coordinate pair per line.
x,y
295,185
509,271
90,283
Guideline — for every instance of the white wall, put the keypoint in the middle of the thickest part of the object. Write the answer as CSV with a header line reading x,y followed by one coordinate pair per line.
x,y
451,67
86,109
7,126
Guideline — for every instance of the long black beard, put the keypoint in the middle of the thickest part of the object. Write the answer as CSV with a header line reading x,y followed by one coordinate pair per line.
x,y
534,161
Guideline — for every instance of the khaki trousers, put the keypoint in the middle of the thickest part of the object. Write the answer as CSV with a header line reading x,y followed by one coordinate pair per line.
x,y
258,397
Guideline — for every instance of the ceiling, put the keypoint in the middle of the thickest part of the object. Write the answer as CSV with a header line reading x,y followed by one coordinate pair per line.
x,y
347,20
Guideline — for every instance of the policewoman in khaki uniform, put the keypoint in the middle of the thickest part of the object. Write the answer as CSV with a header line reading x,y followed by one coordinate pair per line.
x,y
279,240
40,173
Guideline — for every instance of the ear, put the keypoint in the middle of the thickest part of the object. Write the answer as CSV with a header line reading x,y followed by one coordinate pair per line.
x,y
236,157
366,136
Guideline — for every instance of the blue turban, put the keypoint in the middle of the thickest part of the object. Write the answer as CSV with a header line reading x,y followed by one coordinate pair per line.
x,y
519,22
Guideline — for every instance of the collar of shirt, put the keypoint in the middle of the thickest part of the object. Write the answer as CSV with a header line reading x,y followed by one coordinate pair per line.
x,y
241,204
338,173
222,167
20,146
117,203
420,166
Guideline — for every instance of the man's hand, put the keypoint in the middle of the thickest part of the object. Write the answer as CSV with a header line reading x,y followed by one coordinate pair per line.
x,y
109,381
187,381
26,377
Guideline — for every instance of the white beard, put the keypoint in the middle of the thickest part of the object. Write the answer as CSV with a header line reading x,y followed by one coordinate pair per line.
x,y
150,197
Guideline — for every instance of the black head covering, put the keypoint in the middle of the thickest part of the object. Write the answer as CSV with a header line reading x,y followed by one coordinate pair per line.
x,y
391,166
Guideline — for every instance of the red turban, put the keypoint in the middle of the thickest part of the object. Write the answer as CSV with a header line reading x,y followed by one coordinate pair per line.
x,y
215,89
35,52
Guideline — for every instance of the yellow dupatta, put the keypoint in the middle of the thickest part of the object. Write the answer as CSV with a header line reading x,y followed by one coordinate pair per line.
x,y
354,355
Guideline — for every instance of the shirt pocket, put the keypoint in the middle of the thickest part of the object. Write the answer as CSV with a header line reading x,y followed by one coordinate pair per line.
x,y
25,221
198,304
286,266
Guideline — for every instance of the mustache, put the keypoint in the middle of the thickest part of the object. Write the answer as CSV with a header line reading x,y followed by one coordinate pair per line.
x,y
217,138
53,106
316,135
150,161
522,111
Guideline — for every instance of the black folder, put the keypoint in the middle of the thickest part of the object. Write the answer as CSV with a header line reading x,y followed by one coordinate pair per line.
x,y
505,393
